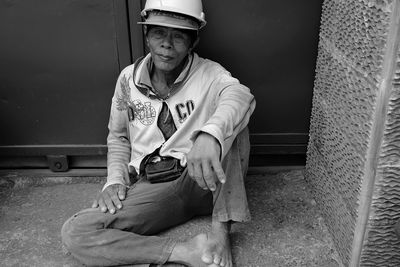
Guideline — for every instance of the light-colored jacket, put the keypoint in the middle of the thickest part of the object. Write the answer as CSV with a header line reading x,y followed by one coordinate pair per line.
x,y
204,98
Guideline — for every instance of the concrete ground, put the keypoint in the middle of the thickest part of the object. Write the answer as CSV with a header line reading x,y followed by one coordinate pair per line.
x,y
286,229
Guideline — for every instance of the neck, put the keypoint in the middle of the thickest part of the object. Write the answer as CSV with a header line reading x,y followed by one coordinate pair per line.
x,y
167,78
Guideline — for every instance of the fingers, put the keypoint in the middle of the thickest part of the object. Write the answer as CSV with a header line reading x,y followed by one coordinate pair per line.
x,y
219,172
204,162
95,203
115,202
193,171
208,175
198,176
102,204
109,204
190,169
110,198
206,172
121,192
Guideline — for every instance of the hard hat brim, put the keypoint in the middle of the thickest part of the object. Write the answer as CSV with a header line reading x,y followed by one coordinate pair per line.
x,y
170,25
168,19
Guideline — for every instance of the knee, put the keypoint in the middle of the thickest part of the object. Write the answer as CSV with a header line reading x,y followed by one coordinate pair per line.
x,y
78,234
73,239
74,230
67,233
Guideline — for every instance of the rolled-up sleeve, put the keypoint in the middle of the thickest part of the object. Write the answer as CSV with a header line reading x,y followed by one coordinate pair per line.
x,y
118,144
234,105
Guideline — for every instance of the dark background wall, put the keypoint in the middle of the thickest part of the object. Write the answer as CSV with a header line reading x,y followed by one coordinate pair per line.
x,y
271,46
59,61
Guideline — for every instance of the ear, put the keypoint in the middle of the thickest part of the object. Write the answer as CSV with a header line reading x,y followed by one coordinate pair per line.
x,y
195,43
145,34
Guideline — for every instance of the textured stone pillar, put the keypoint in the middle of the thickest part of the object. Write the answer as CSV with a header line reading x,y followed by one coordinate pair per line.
x,y
353,161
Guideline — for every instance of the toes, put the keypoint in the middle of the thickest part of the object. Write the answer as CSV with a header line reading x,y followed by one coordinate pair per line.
x,y
217,260
207,258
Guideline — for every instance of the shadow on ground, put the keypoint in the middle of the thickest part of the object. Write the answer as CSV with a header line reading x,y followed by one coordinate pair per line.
x,y
286,229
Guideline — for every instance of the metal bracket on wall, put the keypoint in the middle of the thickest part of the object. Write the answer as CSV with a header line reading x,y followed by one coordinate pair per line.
x,y
57,163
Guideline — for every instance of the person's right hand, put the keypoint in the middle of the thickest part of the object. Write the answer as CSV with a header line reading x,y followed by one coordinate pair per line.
x,y
110,198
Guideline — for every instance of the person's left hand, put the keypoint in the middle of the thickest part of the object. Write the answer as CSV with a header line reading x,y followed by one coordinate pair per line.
x,y
203,162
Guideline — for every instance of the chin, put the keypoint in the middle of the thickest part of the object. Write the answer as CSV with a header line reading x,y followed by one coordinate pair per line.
x,y
164,66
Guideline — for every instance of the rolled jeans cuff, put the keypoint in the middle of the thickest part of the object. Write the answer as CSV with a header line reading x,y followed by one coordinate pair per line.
x,y
169,246
232,216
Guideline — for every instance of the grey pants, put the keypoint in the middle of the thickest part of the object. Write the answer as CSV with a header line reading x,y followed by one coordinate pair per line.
x,y
128,236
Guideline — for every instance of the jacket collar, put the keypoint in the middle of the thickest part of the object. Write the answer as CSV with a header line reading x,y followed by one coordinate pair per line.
x,y
142,70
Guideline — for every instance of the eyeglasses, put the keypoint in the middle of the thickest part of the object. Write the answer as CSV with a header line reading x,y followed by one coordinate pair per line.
x,y
177,37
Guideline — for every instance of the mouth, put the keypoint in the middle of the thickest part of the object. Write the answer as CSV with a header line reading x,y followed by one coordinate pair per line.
x,y
165,57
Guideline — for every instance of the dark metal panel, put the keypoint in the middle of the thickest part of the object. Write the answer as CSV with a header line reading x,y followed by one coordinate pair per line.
x,y
271,46
122,33
278,144
136,32
58,67
59,61
38,150
40,161
279,149
274,138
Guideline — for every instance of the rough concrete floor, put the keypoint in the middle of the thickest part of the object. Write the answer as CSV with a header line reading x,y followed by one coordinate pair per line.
x,y
286,229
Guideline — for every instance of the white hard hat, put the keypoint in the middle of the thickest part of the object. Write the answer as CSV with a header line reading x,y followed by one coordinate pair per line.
x,y
189,8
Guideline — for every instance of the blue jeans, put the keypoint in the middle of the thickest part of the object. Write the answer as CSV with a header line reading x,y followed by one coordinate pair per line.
x,y
128,236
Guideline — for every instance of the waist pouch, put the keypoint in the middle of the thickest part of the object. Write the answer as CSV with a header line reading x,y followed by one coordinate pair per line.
x,y
157,169
165,170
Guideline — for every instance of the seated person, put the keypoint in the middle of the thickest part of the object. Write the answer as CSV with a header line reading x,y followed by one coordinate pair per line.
x,y
178,123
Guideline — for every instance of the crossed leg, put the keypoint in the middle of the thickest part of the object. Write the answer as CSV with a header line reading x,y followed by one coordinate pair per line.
x,y
127,237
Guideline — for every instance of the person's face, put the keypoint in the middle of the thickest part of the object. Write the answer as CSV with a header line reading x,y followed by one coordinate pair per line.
x,y
168,47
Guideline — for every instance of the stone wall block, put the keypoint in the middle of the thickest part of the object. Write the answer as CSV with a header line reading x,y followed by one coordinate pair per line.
x,y
333,207
348,96
353,162
358,29
342,160
381,244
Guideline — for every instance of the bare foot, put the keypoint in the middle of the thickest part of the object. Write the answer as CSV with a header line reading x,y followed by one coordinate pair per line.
x,y
212,250
189,253
218,250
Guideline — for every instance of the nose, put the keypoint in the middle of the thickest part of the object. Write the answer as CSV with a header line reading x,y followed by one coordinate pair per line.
x,y
167,41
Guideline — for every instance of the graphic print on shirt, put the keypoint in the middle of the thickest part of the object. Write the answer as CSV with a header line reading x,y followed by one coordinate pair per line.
x,y
184,110
124,100
144,112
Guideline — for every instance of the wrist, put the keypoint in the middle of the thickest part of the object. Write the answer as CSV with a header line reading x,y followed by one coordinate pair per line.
x,y
210,140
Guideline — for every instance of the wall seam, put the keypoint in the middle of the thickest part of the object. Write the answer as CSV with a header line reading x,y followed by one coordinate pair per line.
x,y
116,34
